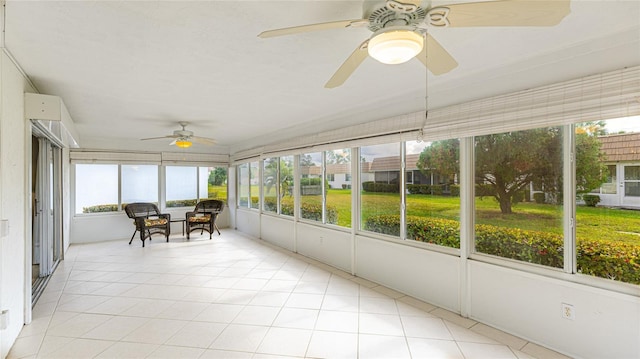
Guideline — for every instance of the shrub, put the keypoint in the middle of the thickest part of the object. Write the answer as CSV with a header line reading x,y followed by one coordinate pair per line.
x,y
617,261
419,189
270,204
455,190
539,197
385,224
371,186
314,181
485,190
444,232
436,189
613,260
286,207
518,197
182,203
591,200
313,211
100,208
528,246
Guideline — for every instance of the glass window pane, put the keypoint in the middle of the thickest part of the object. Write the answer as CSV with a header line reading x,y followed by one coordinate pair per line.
x,y
380,195
607,224
254,181
508,223
181,187
213,183
139,184
270,184
433,192
311,186
286,185
96,188
338,170
244,190
610,184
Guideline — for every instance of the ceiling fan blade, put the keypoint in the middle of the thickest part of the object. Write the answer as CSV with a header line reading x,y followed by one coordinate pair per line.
x,y
507,13
313,27
202,140
436,58
158,138
173,142
349,66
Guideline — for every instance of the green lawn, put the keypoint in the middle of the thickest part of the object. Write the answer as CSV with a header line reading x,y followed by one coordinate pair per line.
x,y
593,223
218,192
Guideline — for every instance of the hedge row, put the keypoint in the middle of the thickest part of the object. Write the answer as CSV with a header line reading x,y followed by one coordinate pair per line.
x,y
434,189
182,203
114,207
618,261
311,211
383,187
100,208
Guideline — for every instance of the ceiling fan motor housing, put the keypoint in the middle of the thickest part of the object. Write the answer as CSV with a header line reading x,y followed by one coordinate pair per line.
x,y
381,16
183,133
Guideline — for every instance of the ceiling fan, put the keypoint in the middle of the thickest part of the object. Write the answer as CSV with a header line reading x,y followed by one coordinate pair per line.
x,y
400,29
184,138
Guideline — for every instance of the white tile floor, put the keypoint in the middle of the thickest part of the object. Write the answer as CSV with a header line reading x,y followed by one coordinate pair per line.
x,y
232,297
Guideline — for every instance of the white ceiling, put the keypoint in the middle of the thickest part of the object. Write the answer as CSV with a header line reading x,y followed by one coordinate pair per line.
x,y
132,69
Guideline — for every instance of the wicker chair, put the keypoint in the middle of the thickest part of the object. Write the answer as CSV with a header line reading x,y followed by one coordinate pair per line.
x,y
203,217
148,220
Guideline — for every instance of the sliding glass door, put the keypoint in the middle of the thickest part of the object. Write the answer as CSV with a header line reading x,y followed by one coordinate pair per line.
x,y
47,212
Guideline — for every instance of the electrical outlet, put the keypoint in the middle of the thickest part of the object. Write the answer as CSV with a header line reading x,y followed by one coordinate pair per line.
x,y
568,311
4,319
4,228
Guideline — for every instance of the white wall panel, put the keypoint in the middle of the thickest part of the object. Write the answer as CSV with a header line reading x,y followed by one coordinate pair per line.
x,y
278,231
606,324
430,276
108,227
15,206
327,245
248,222
115,226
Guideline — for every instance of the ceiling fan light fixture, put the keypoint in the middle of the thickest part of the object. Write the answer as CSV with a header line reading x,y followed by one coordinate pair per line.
x,y
395,46
183,143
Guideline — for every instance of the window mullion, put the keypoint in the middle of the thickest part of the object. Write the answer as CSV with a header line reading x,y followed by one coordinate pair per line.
x,y
569,200
403,195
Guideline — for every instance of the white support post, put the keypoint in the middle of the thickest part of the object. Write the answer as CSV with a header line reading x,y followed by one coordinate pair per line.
x,y
569,198
467,193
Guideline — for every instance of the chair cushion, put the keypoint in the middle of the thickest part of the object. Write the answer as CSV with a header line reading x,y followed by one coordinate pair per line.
x,y
151,222
200,219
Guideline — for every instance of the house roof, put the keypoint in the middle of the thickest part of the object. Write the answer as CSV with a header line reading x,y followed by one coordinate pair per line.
x,y
621,147
392,163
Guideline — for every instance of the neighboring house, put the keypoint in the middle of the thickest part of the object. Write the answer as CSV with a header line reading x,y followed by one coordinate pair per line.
x,y
387,170
622,188
381,169
339,175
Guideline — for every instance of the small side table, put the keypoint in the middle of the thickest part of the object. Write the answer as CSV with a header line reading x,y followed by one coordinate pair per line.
x,y
179,220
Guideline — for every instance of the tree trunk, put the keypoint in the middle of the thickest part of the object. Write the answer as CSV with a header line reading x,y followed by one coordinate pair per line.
x,y
505,204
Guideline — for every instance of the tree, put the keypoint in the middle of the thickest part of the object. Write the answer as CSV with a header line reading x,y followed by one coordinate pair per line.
x,y
271,169
444,156
306,160
591,172
338,156
510,161
218,176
